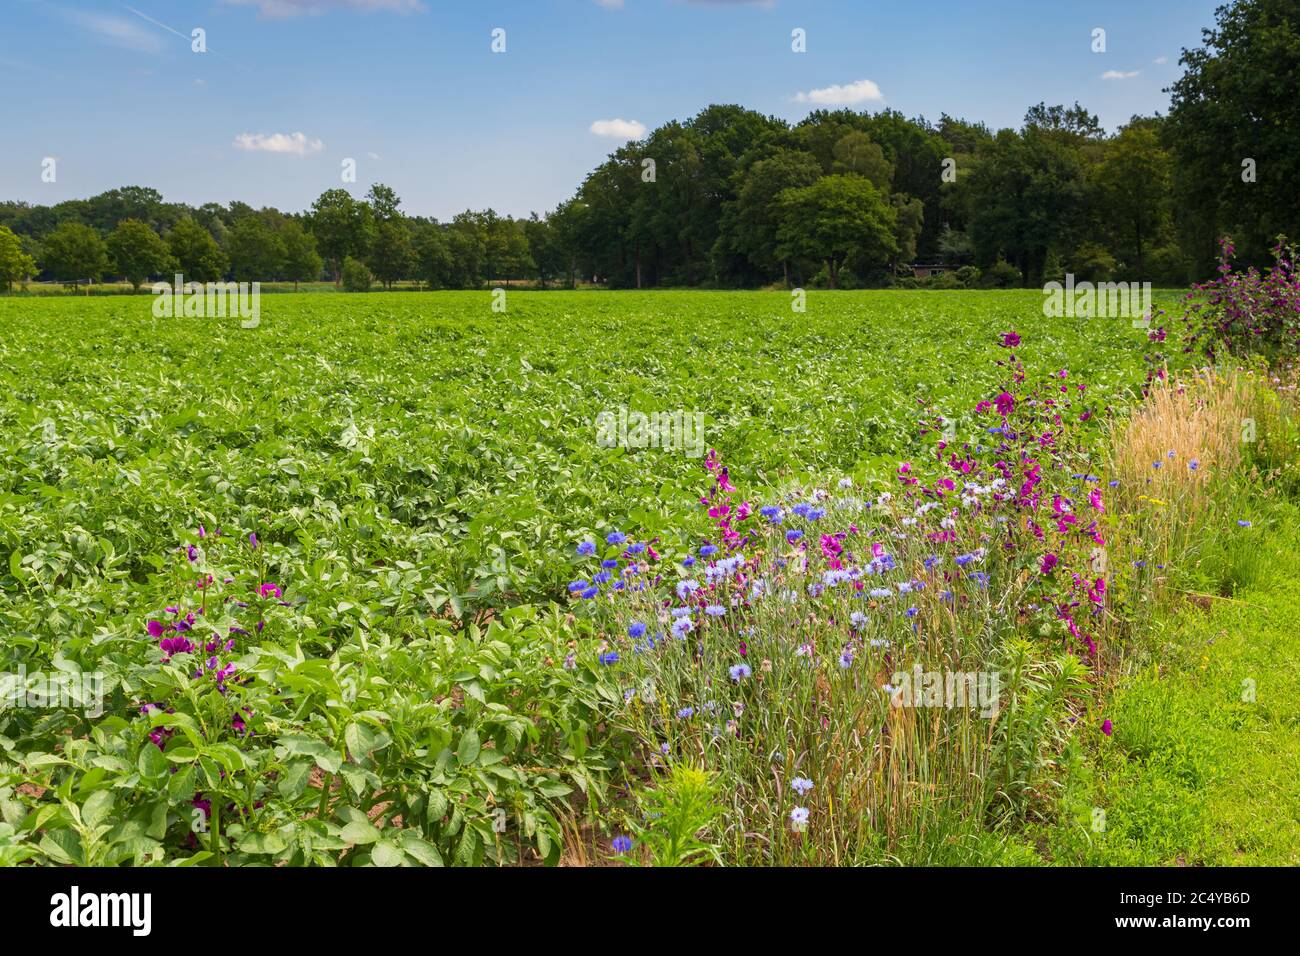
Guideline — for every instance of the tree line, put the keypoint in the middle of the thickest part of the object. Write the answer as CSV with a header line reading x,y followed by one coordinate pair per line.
x,y
733,198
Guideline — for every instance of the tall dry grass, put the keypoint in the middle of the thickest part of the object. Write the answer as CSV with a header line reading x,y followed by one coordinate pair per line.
x,y
1174,458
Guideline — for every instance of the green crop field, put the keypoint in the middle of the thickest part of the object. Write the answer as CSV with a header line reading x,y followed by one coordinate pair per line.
x,y
330,590
427,429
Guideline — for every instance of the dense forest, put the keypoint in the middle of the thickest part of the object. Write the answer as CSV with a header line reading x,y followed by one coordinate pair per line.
x,y
732,198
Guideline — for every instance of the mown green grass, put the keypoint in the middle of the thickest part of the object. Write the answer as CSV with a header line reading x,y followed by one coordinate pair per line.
x,y
1197,773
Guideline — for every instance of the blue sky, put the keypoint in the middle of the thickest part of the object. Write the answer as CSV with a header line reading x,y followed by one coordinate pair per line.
x,y
411,90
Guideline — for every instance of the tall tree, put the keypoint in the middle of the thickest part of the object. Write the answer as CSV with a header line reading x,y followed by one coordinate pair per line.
x,y
138,252
302,263
197,255
1233,124
74,252
342,227
255,250
835,218
15,264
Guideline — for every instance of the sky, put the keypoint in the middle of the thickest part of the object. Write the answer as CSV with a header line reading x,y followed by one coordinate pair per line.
x,y
413,93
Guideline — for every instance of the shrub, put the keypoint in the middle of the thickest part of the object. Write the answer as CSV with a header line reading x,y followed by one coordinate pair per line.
x,y
1002,275
1243,312
355,276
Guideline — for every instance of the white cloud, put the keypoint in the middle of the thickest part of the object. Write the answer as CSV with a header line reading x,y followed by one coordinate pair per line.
x,y
619,128
1118,75
610,4
297,8
1161,60
117,30
850,94
293,143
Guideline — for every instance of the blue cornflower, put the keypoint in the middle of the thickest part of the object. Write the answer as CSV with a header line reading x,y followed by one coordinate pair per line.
x,y
635,629
586,548
717,610
793,535
737,671
590,593
636,547
609,657
1194,464
686,712
708,550
801,785
609,563
615,537
621,844
579,585
799,816
1242,522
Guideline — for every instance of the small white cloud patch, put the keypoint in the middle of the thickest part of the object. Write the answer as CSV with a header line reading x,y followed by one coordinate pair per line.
x,y
295,144
848,94
619,128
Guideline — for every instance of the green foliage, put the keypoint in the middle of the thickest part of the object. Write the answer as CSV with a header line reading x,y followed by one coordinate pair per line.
x,y
255,251
678,812
355,276
138,252
15,264
197,254
835,218
302,263
74,252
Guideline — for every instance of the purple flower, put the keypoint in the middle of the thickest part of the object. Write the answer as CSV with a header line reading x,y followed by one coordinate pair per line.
x,y
586,548
252,538
621,844
635,629
738,671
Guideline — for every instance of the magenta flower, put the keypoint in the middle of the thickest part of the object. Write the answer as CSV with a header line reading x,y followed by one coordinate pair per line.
x,y
1050,561
1107,727
1005,404
175,645
269,589
1010,340
155,629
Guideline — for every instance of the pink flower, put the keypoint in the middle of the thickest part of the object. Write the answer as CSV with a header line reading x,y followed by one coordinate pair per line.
x,y
268,589
155,629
